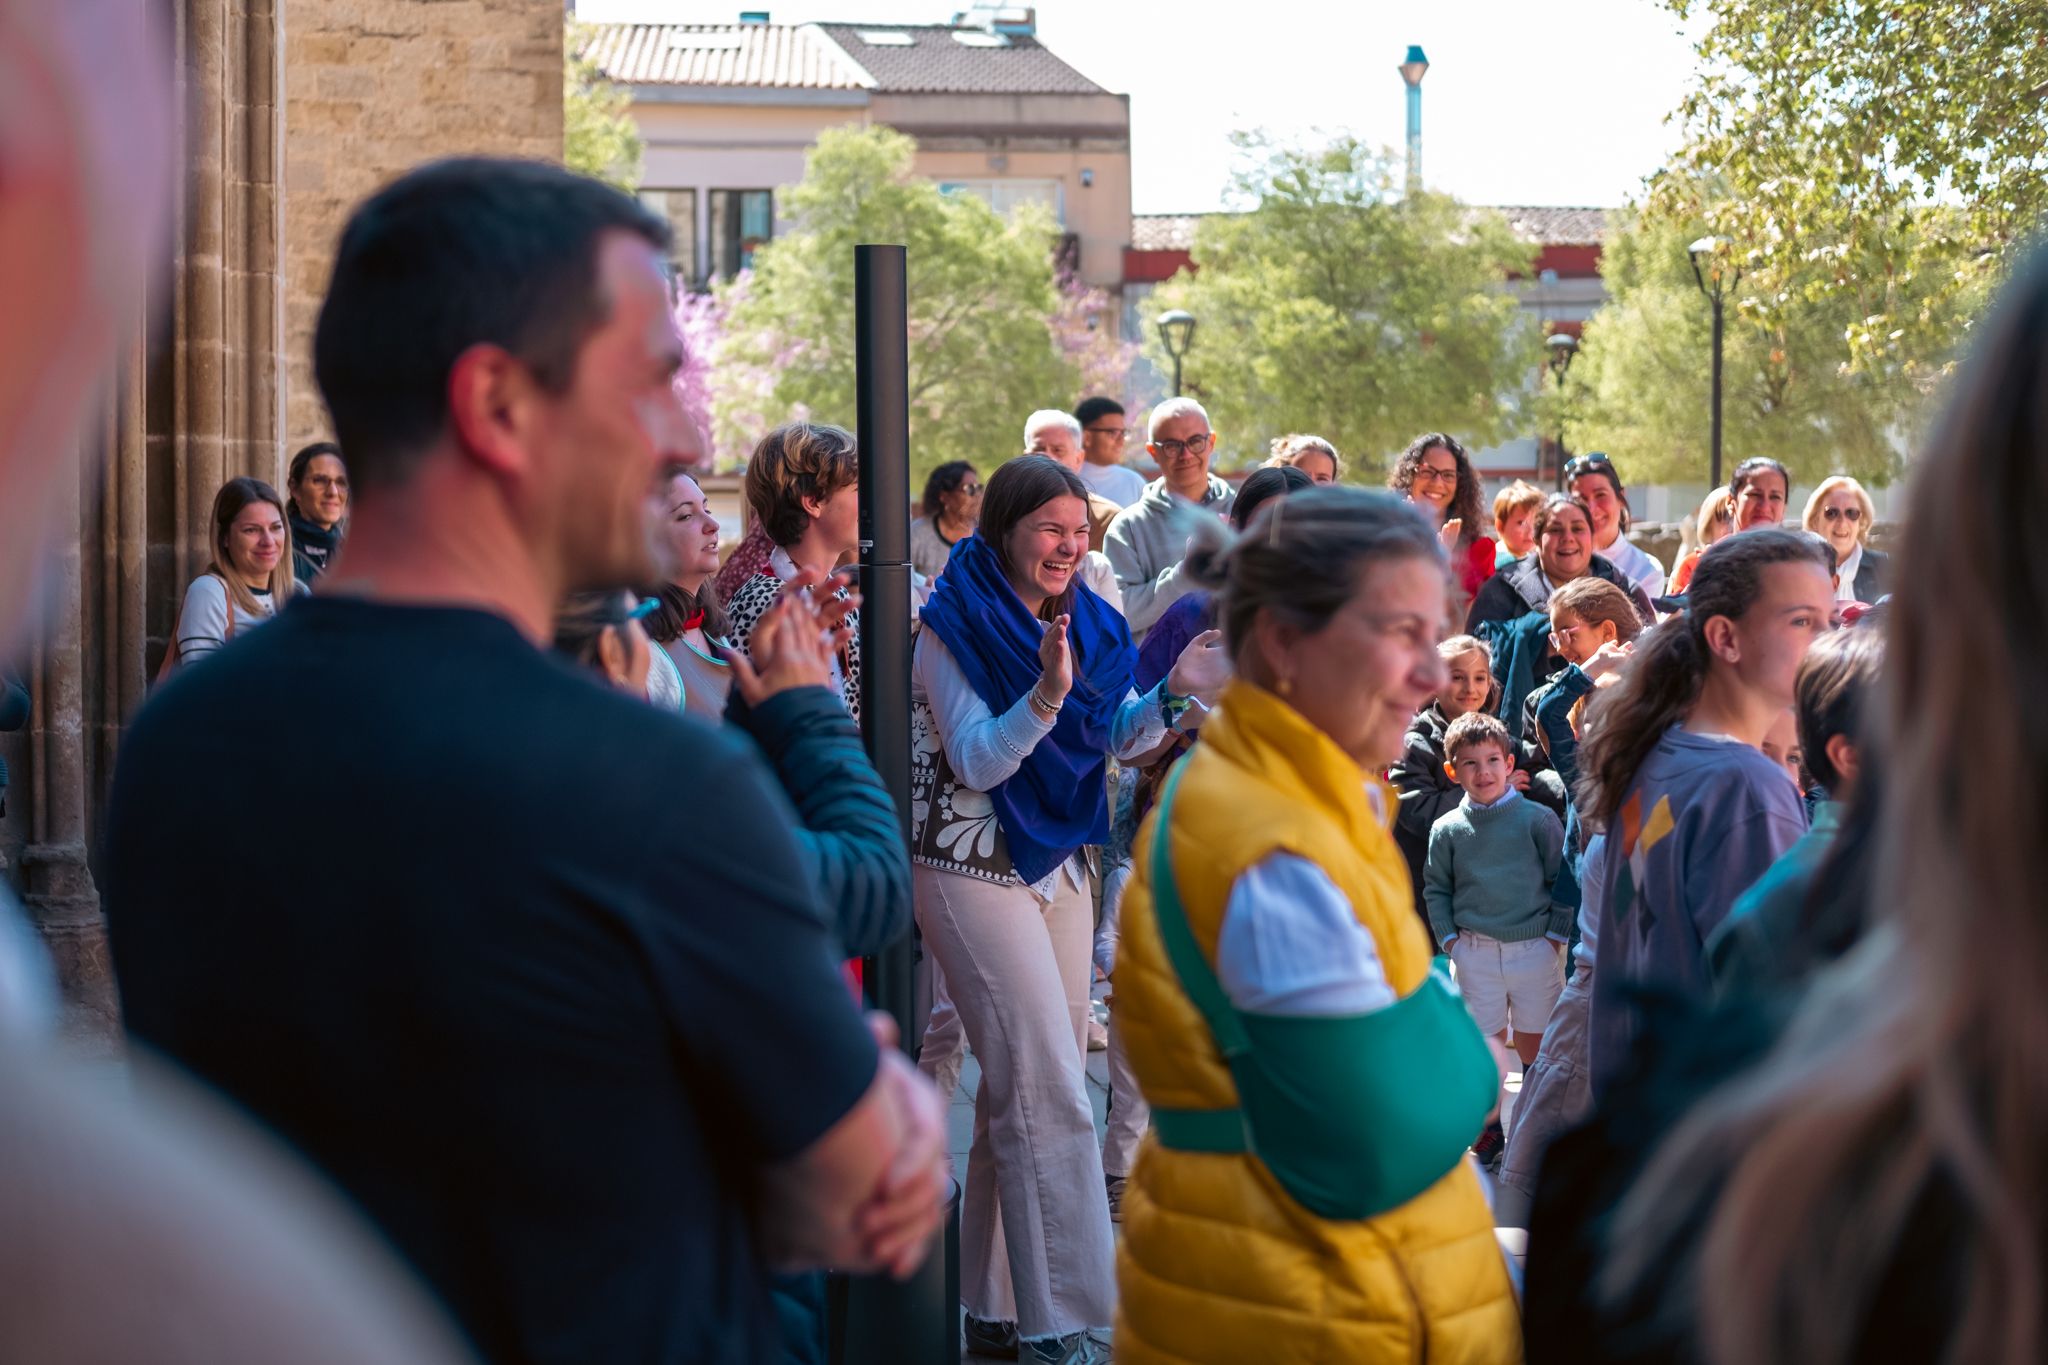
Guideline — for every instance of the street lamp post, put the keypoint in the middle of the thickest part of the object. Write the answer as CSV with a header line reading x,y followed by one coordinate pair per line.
x,y
1412,70
1563,346
1176,333
1711,269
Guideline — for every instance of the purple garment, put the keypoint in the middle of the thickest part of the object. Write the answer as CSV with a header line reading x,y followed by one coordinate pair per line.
x,y
1178,624
1668,884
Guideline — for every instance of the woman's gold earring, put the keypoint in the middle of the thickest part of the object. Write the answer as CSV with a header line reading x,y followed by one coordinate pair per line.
x,y
1286,687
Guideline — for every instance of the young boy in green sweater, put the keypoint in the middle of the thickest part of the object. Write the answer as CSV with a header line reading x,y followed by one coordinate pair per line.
x,y
1486,881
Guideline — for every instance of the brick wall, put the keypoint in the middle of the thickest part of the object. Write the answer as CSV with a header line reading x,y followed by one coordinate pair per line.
x,y
374,87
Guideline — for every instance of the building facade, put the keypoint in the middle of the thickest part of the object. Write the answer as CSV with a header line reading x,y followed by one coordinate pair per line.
x,y
727,113
290,111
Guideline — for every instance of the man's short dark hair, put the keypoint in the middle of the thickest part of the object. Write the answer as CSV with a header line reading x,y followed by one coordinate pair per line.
x,y
1095,409
448,256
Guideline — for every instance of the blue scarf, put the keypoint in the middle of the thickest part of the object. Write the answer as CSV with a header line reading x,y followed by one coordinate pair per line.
x,y
1056,801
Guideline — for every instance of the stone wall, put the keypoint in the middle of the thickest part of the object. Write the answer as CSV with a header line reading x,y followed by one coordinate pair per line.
x,y
375,87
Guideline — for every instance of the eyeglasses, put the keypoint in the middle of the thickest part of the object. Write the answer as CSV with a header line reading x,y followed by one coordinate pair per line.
x,y
1119,432
1173,450
1592,460
1560,638
642,609
1850,514
972,490
1430,473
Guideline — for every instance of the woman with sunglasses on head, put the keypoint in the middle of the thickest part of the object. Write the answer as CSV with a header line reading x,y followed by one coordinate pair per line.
x,y
1841,513
1593,477
1434,474
951,507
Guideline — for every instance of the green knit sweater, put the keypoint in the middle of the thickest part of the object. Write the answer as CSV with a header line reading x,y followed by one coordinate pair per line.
x,y
1490,870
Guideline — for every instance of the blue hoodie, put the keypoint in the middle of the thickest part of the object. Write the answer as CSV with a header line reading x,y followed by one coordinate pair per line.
x,y
1704,819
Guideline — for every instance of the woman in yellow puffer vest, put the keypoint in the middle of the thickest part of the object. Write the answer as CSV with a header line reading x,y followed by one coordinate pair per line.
x,y
1303,1195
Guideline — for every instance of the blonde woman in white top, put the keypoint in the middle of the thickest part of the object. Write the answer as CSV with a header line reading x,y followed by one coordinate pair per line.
x,y
250,577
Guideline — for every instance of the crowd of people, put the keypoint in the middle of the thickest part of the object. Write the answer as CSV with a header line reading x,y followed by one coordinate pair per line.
x,y
1490,911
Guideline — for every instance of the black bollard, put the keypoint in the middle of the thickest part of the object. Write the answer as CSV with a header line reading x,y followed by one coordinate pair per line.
x,y
875,1320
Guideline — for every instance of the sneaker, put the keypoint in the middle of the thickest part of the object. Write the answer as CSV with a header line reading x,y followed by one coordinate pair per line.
x,y
1113,1185
1490,1145
1082,1348
996,1340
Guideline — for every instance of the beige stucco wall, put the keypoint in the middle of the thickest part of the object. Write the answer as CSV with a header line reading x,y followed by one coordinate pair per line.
x,y
960,137
375,87
1100,213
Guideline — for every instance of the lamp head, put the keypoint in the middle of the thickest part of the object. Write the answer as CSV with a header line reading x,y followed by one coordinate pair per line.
x,y
1561,347
1177,331
1414,65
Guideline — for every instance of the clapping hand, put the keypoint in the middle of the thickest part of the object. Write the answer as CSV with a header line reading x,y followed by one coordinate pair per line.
x,y
793,643
1056,662
1453,528
1202,670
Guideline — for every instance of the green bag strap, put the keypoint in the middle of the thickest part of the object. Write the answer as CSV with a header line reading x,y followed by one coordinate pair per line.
x,y
1197,977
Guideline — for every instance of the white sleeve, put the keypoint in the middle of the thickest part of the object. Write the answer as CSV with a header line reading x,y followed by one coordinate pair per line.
x,y
1100,576
985,749
1291,944
203,620
1139,725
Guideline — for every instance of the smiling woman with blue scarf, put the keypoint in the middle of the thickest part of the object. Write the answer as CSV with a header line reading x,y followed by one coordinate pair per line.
x,y
1020,692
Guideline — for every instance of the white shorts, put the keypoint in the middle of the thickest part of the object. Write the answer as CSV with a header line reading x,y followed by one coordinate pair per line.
x,y
1508,985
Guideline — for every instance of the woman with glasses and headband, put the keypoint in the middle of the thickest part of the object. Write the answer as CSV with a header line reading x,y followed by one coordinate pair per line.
x,y
951,507
1840,512
1434,475
601,630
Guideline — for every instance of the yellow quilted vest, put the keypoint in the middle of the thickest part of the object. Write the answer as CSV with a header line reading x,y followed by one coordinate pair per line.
x,y
1218,1263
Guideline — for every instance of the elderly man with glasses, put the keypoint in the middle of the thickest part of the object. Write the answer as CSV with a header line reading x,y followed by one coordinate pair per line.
x,y
1148,540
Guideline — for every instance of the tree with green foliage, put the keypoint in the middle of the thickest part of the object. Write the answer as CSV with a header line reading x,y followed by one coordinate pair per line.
x,y
1336,305
1640,387
598,135
1877,161
982,301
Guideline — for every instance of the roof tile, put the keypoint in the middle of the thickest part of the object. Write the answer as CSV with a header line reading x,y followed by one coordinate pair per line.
x,y
935,62
781,56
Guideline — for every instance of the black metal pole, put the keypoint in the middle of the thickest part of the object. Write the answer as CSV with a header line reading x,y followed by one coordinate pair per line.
x,y
1716,438
882,369
1560,434
1176,374
915,1322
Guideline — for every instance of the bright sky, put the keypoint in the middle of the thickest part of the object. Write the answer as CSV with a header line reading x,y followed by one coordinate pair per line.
x,y
1523,104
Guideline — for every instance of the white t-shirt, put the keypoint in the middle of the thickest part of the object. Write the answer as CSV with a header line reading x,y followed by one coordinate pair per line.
x,y
1120,483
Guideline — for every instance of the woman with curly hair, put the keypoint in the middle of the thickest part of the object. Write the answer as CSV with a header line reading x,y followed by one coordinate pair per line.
x,y
1434,474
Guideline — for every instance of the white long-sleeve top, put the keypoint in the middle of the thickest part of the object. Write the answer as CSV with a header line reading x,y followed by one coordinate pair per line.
x,y
209,618
986,749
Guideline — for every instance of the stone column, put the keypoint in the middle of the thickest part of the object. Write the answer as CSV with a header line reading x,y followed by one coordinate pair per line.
x,y
226,304
62,900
